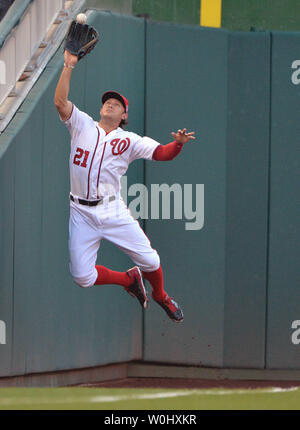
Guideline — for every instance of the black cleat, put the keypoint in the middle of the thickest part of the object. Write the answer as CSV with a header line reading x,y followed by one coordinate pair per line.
x,y
137,288
172,308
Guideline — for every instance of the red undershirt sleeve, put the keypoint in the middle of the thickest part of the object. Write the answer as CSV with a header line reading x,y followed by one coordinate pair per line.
x,y
167,152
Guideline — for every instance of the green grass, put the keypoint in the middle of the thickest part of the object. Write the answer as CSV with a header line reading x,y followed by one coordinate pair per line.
x,y
147,399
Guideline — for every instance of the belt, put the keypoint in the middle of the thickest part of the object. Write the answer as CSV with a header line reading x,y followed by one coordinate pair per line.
x,y
92,203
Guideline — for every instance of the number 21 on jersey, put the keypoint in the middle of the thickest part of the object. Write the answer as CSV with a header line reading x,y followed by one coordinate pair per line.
x,y
80,153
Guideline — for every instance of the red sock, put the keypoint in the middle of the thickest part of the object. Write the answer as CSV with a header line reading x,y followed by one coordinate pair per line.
x,y
107,277
157,282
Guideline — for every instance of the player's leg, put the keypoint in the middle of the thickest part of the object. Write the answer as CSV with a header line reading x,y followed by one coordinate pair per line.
x,y
131,280
127,234
107,276
156,280
84,242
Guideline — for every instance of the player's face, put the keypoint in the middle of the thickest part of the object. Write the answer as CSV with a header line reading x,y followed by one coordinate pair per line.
x,y
113,109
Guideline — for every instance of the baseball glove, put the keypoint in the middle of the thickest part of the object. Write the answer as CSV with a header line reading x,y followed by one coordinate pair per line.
x,y
81,39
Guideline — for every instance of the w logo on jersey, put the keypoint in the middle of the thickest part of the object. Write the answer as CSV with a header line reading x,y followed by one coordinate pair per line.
x,y
119,146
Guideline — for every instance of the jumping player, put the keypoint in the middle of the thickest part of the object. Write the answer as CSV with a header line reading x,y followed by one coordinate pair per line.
x,y
100,154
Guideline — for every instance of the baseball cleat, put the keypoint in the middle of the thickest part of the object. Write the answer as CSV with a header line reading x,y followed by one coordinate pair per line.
x,y
172,308
137,288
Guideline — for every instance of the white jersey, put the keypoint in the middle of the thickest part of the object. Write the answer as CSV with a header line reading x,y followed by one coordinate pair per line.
x,y
98,160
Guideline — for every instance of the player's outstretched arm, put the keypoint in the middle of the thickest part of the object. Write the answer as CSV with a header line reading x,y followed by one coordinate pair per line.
x,y
171,150
63,105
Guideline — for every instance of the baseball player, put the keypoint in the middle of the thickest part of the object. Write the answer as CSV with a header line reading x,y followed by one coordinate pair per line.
x,y
101,152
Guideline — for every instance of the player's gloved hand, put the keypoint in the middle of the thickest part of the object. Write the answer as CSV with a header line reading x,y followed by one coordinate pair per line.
x,y
80,39
183,137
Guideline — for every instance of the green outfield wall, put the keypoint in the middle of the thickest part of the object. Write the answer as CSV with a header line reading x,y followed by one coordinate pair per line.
x,y
179,11
283,322
51,323
217,272
190,94
237,15
242,15
231,257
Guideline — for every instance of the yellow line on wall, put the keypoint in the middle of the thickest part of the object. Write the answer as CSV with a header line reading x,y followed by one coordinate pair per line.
x,y
210,13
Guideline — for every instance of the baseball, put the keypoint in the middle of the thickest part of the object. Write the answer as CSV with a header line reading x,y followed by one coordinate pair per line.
x,y
81,18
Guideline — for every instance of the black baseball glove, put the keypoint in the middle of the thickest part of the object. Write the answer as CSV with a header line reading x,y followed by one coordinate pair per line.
x,y
81,39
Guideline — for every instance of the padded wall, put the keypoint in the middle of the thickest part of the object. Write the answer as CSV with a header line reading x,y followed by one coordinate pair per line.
x,y
52,324
187,87
283,342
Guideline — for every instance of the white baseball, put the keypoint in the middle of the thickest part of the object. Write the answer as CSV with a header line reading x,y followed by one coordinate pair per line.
x,y
81,18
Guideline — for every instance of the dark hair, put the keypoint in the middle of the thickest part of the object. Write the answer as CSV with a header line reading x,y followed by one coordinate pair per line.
x,y
123,123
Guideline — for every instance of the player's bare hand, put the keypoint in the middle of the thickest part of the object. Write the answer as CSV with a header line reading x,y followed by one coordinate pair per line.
x,y
182,136
70,59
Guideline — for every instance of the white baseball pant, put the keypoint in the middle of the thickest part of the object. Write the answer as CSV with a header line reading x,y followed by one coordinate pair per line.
x,y
111,221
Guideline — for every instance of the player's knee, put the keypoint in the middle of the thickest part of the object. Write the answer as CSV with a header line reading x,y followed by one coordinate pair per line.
x,y
83,281
155,262
152,263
